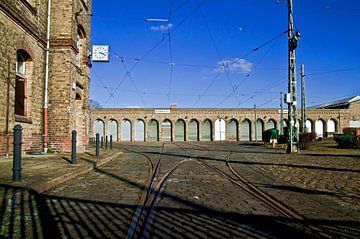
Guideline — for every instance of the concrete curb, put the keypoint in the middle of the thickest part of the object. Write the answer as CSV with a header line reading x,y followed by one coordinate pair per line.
x,y
46,186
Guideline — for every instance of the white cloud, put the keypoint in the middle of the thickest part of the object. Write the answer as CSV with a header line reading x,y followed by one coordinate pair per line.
x,y
235,65
132,106
162,27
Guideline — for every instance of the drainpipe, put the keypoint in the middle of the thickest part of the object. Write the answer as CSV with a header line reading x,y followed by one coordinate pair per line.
x,y
47,59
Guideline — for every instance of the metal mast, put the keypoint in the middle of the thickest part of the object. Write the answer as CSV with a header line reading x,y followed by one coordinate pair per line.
x,y
293,142
281,114
303,100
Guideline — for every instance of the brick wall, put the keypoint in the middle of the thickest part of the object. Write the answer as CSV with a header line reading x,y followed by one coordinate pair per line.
x,y
23,26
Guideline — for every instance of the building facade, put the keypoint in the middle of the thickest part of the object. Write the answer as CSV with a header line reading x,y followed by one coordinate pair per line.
x,y
215,124
47,96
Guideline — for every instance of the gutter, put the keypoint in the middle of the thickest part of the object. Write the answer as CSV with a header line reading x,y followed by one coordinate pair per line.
x,y
46,97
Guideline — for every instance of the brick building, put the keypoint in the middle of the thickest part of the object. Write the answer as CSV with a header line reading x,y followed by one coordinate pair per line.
x,y
48,100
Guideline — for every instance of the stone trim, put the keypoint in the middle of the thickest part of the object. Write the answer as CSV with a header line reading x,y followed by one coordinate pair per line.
x,y
14,15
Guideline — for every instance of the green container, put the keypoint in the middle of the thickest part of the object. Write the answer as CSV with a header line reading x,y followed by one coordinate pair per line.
x,y
346,141
270,134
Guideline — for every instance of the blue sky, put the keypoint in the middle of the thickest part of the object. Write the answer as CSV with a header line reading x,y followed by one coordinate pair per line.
x,y
212,46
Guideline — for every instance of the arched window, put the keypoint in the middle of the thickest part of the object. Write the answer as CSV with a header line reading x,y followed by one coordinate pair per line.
x,y
80,43
23,71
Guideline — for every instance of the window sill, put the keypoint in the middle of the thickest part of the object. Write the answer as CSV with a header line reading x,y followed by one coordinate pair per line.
x,y
22,119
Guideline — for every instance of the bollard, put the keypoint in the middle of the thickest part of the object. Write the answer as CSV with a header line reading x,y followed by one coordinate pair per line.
x,y
17,153
102,142
97,153
73,147
110,141
106,142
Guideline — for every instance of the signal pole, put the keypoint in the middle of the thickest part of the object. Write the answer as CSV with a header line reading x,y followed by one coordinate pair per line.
x,y
303,100
281,114
293,141
255,123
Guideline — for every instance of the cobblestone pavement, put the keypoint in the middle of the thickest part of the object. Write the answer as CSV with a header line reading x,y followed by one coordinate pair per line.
x,y
195,201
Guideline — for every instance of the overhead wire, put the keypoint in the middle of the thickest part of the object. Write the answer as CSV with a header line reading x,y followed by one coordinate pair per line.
x,y
170,53
137,60
218,51
247,76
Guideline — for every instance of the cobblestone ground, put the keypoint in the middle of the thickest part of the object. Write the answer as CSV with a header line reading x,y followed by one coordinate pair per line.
x,y
196,201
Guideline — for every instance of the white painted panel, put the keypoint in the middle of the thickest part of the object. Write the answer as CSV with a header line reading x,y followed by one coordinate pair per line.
x,y
319,129
220,129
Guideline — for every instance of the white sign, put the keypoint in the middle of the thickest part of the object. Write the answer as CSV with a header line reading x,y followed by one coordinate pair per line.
x,y
354,123
284,111
162,111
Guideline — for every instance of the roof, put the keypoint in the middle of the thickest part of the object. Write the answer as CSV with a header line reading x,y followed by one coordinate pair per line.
x,y
338,104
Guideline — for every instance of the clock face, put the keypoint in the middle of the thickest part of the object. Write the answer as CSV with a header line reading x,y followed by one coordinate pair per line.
x,y
100,53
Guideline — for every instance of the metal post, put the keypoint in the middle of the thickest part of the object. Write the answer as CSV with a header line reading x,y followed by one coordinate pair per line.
x,y
8,112
73,147
281,114
97,153
17,153
106,142
255,123
111,140
293,142
102,142
303,100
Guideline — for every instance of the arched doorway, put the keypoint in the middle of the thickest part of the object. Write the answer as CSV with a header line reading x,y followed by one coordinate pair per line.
x,y
193,130
232,130
271,124
153,130
126,130
113,130
245,130
180,130
308,125
206,128
139,130
166,130
331,127
220,130
319,128
99,128
259,129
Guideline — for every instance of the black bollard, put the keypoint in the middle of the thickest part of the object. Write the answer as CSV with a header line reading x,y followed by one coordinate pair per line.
x,y
106,142
102,142
110,141
17,153
73,147
97,153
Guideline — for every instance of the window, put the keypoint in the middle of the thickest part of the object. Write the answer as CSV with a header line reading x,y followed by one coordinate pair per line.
x,y
80,43
22,58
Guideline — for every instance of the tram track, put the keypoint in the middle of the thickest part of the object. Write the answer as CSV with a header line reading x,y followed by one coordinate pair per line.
x,y
268,200
142,220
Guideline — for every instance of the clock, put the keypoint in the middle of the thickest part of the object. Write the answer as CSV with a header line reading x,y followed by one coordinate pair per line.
x,y
100,53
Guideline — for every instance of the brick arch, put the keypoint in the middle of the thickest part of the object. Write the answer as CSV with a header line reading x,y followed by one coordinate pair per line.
x,y
81,27
22,45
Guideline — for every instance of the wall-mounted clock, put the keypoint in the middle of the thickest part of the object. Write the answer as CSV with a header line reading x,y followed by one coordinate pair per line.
x,y
100,53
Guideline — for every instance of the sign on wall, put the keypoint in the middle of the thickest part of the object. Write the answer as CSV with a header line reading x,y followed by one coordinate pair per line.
x,y
162,111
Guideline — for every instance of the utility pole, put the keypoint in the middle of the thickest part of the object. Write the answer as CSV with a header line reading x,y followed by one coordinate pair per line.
x,y
255,123
303,100
281,114
293,142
